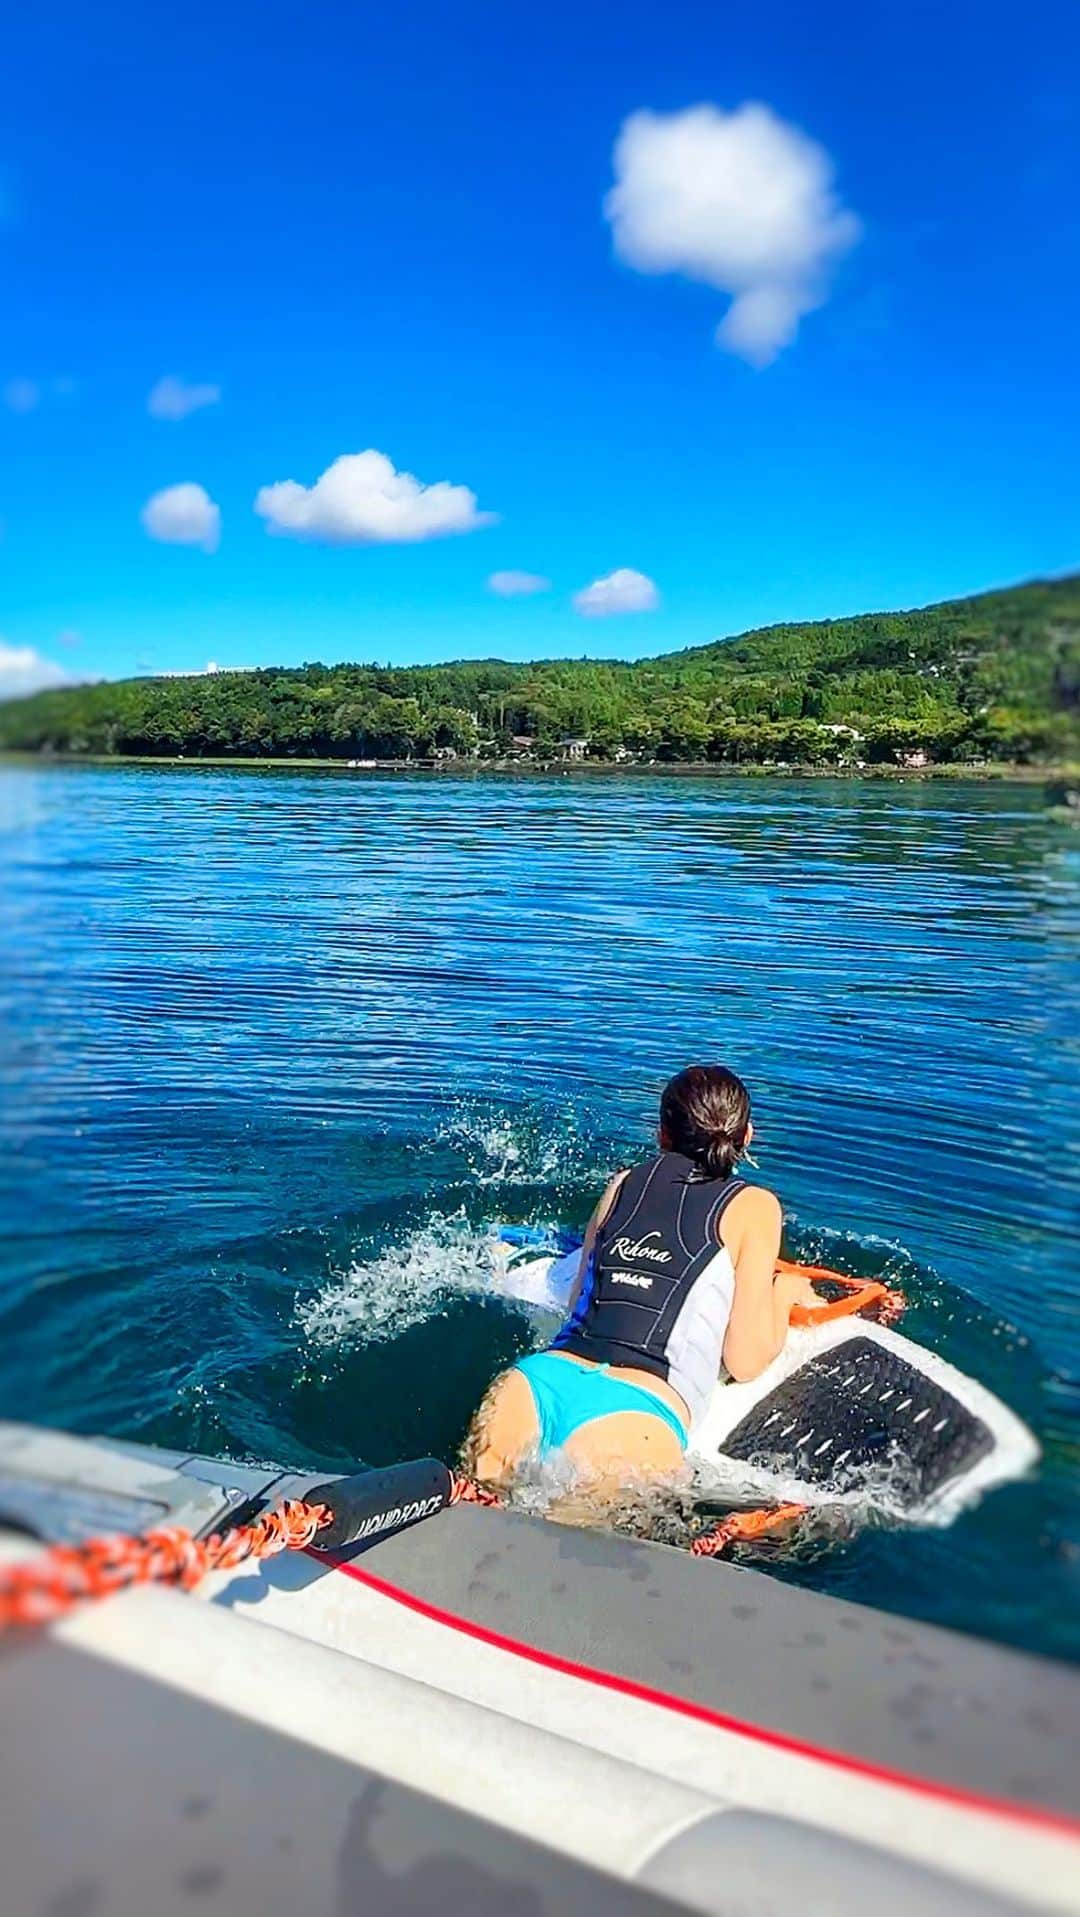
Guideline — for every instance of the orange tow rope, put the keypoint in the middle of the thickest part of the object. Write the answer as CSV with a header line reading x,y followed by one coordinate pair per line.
x,y
467,1491
52,1583
47,1586
745,1527
57,1579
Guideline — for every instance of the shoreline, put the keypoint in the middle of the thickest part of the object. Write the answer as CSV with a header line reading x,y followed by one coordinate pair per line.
x,y
990,773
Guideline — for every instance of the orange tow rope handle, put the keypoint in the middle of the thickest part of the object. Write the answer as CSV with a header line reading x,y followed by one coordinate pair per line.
x,y
860,1293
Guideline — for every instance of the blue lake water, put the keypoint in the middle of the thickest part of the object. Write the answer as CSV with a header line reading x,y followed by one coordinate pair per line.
x,y
277,1045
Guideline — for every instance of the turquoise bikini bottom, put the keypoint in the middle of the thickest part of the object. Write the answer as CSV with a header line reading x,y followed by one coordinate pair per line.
x,y
568,1395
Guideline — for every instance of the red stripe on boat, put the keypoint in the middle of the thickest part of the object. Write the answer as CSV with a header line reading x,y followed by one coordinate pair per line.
x,y
955,1794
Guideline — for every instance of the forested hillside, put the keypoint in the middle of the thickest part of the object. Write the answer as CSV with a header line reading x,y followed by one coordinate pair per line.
x,y
993,677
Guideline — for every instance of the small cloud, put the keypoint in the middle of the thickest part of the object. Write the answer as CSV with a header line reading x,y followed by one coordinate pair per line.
x,y
743,201
69,637
193,672
621,591
517,585
183,515
171,399
362,500
22,395
22,671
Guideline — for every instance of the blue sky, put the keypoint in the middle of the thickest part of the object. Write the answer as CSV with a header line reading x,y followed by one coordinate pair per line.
x,y
385,228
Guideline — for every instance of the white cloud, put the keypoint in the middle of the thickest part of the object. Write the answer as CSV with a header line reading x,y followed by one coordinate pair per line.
x,y
517,585
743,201
208,671
183,516
22,671
623,590
362,500
171,399
21,395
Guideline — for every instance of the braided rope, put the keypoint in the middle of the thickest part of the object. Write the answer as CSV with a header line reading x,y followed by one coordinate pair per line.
x,y
466,1491
743,1527
47,1586
51,1584
740,1527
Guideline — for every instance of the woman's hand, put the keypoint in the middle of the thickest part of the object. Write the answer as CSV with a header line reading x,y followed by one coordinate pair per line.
x,y
796,1289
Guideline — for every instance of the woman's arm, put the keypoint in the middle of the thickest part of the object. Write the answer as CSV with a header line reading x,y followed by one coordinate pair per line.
x,y
758,1325
589,1240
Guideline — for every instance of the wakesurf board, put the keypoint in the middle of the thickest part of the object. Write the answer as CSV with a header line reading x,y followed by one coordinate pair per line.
x,y
850,1412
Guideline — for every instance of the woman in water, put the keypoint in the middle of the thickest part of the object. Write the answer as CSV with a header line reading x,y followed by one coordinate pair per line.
x,y
677,1282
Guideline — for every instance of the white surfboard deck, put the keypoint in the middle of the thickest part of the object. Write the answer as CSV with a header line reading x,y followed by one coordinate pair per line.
x,y
850,1413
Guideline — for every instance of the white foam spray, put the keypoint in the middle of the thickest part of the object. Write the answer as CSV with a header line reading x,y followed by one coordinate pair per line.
x,y
384,1291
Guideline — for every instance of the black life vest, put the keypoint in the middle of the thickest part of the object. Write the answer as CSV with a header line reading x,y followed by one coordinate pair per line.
x,y
659,1289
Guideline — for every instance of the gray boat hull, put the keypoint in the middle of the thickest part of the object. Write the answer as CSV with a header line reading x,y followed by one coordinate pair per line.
x,y
489,1702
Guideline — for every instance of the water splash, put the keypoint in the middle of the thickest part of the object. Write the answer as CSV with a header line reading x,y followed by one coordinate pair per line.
x,y
385,1291
865,1256
515,1148
541,1162
675,1509
882,1492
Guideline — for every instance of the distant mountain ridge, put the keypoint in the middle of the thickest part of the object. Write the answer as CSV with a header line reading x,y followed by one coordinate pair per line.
x,y
995,676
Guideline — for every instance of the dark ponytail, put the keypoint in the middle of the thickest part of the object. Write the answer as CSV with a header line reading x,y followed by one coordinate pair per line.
x,y
705,1115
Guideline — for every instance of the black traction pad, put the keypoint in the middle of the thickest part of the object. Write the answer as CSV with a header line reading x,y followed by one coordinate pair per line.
x,y
857,1409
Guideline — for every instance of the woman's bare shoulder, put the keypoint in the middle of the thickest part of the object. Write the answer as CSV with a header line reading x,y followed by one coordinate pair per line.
x,y
756,1200
611,1192
754,1210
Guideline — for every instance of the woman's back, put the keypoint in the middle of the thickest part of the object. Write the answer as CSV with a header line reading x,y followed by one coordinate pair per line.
x,y
658,1291
677,1281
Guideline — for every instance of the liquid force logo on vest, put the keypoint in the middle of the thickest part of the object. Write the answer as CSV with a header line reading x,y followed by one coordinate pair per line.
x,y
635,1278
642,1248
